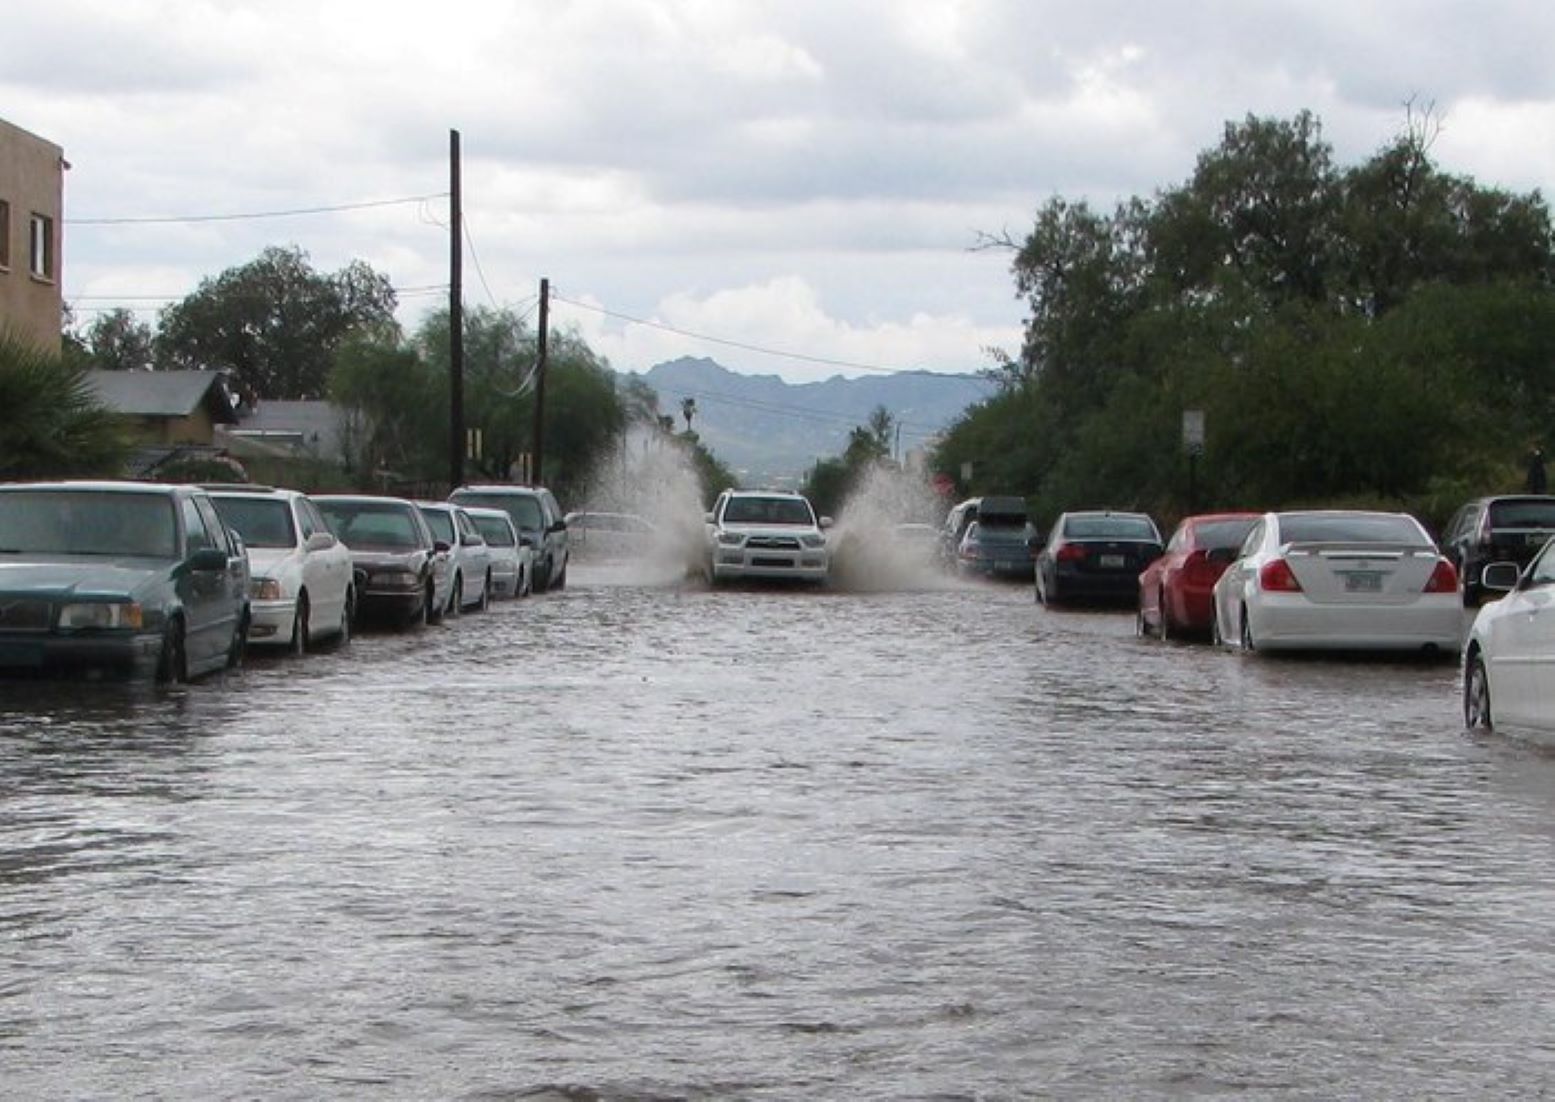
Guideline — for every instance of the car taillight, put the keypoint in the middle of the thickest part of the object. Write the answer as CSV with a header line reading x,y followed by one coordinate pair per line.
x,y
1071,552
1444,579
1277,577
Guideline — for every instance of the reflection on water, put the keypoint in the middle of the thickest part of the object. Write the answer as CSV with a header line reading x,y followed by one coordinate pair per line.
x,y
665,841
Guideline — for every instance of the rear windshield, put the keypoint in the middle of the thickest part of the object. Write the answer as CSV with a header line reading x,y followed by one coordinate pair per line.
x,y
1366,528
88,522
768,510
1522,514
494,531
1213,535
1109,528
262,522
384,526
524,509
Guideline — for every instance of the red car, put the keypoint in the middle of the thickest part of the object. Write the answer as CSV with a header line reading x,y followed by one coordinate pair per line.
x,y
1175,591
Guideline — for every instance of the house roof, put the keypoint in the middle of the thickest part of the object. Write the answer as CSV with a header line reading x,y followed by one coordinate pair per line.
x,y
306,427
164,393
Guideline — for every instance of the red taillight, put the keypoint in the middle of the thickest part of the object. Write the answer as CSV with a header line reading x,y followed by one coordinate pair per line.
x,y
1071,552
1277,577
1444,579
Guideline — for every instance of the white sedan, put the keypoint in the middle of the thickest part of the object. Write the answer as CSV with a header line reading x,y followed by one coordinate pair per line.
x,y
302,587
1339,580
1509,659
512,555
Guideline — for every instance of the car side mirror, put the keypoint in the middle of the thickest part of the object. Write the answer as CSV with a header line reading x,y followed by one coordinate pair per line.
x,y
319,541
826,522
525,541
440,546
207,560
707,518
1501,576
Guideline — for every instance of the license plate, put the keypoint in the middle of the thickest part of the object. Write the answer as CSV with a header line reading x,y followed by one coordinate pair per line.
x,y
1112,562
1367,582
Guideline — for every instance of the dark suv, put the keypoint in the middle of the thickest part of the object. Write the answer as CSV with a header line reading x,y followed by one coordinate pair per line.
x,y
1510,528
538,518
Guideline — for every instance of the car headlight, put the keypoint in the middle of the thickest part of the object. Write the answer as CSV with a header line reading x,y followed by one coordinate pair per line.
x,y
406,578
813,539
730,539
264,589
100,614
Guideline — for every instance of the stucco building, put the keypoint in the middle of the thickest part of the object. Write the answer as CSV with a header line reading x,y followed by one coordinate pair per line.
x,y
32,201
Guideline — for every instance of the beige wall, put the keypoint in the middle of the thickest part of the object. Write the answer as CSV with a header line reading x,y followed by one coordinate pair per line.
x,y
32,181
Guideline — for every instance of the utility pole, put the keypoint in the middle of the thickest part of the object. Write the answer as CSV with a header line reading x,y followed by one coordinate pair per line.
x,y
536,477
456,442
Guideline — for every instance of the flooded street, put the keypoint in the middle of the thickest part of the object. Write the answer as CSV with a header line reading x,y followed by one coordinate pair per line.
x,y
637,841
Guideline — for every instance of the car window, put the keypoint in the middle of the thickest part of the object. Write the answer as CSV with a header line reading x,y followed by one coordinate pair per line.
x,y
1522,514
197,536
1348,528
88,522
262,522
312,517
441,523
1542,570
382,526
221,535
1253,541
1115,527
1215,535
495,530
523,508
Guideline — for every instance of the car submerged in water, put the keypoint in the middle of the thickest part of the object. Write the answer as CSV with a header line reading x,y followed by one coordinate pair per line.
x,y
768,534
123,577
1000,542
1509,658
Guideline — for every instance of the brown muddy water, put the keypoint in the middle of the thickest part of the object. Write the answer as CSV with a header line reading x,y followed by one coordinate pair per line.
x,y
650,841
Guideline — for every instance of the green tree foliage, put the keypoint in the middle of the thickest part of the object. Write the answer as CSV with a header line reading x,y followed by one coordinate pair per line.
x,y
1379,332
54,426
119,341
396,408
830,481
274,322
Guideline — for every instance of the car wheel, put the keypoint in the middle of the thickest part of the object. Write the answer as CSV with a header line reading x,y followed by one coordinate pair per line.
x,y
561,579
429,613
238,648
1476,695
1247,633
542,578
173,663
455,597
300,627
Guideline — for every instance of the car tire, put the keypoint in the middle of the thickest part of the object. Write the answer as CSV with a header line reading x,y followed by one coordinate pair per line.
x,y
428,613
455,598
298,645
542,578
237,649
485,601
561,579
1248,643
1476,695
173,662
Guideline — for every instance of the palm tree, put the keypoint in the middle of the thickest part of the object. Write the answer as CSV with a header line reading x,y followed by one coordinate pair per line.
x,y
54,425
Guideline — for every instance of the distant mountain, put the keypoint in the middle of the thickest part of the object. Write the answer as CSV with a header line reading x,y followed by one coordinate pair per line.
x,y
770,430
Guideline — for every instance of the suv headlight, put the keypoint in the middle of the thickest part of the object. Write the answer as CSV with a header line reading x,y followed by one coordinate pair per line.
x,y
813,539
730,539
100,614
264,589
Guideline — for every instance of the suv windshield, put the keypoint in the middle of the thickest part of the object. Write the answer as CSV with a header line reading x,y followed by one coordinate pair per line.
x,y
262,522
523,508
768,510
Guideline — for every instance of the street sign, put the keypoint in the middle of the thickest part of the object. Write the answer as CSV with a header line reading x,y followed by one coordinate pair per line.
x,y
1193,431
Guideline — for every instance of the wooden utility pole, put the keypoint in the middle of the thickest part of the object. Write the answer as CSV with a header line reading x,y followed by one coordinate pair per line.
x,y
456,442
537,475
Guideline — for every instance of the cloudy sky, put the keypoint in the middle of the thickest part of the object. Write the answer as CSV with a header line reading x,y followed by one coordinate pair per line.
x,y
789,176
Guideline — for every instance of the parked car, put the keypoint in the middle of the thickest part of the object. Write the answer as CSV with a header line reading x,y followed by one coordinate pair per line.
x,y
392,553
1339,580
1096,555
301,585
536,515
1011,510
1509,658
512,557
1176,591
123,576
765,534
610,535
1511,528
996,546
466,561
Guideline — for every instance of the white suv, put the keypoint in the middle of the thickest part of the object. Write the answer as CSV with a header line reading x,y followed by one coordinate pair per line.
x,y
765,534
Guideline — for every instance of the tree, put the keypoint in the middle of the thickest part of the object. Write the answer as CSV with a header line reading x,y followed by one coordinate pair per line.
x,y
119,341
688,410
54,426
274,323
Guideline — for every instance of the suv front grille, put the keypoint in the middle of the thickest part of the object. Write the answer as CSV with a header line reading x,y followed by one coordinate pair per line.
x,y
772,543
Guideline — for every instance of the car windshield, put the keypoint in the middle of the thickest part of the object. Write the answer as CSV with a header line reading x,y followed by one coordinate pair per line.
x,y
383,526
262,522
494,530
1109,528
88,522
1348,528
1522,514
1218,535
442,525
768,510
524,510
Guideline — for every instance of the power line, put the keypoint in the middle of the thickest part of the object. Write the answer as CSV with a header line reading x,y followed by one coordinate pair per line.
x,y
801,356
162,220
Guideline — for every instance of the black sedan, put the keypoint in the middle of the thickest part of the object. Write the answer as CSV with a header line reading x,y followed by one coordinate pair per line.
x,y
123,577
393,554
1510,528
1096,556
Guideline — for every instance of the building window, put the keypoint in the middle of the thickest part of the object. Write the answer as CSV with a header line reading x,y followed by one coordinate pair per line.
x,y
43,246
5,235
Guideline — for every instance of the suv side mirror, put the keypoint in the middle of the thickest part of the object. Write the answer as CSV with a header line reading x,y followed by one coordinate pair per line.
x,y
826,522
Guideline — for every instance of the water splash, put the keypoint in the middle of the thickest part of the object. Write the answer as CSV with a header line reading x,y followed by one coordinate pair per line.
x,y
649,476
872,550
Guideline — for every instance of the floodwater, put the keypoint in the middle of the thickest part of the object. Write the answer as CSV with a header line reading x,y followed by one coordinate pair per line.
x,y
652,841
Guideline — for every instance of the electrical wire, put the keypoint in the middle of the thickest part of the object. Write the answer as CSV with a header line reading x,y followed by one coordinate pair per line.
x,y
161,220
